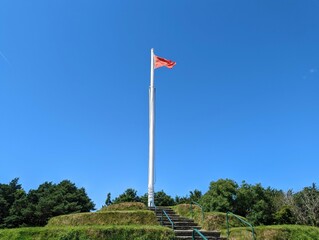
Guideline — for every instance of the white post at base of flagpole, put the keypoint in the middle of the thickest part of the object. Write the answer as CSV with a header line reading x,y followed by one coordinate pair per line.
x,y
151,135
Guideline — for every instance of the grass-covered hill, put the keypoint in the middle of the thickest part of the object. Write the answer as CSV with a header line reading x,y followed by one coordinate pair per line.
x,y
275,232
117,222
133,221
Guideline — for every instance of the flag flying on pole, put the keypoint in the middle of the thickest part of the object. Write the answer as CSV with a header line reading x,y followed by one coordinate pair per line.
x,y
162,62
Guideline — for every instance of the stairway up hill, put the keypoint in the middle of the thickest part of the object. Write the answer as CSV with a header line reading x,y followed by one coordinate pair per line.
x,y
183,227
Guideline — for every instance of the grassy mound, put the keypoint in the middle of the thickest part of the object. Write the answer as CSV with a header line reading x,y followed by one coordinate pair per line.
x,y
276,232
124,207
89,233
142,217
211,221
116,222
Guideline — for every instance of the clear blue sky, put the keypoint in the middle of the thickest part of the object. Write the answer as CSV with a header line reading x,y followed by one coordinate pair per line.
x,y
241,103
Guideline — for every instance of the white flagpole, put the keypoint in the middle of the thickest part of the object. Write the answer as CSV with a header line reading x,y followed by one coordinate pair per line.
x,y
151,135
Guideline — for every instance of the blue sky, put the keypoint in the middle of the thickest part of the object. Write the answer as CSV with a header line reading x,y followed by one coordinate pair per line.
x,y
241,103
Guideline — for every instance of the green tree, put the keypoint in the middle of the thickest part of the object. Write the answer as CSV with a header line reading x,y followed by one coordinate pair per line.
x,y
221,196
144,199
195,196
51,200
181,200
9,194
130,195
16,212
108,200
285,215
256,203
161,199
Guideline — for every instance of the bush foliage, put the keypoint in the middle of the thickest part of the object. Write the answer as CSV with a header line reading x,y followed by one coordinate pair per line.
x,y
35,208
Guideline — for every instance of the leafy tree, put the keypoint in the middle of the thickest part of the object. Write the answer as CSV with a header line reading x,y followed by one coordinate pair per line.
x,y
108,200
16,212
257,203
130,195
285,215
181,200
160,198
221,196
195,195
144,199
51,200
9,194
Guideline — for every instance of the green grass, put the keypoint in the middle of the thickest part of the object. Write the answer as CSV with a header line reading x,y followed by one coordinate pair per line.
x,y
276,232
116,222
141,217
212,220
132,221
89,233
124,207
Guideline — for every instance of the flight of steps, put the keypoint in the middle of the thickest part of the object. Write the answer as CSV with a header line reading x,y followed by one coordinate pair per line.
x,y
183,227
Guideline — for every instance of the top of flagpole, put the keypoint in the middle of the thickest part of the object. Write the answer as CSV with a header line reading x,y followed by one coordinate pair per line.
x,y
152,68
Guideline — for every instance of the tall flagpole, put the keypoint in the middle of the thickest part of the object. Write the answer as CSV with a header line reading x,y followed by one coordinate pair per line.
x,y
151,135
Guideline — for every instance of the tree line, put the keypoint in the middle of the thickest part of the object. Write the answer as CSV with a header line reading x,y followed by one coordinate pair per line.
x,y
261,206
21,209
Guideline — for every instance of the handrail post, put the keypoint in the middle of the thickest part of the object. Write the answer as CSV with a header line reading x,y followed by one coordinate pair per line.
x,y
192,211
242,220
200,208
227,224
162,218
169,219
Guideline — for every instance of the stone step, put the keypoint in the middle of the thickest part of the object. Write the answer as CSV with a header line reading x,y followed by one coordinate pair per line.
x,y
198,238
190,232
183,227
175,219
188,224
158,213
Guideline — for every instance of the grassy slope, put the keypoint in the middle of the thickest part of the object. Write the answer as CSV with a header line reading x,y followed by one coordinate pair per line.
x,y
141,217
126,206
217,221
89,233
117,222
276,232
212,220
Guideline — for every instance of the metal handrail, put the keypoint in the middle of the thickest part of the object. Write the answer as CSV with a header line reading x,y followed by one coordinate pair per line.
x,y
169,219
240,219
200,208
154,206
199,233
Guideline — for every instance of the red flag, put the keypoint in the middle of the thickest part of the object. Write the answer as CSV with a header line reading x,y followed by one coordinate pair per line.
x,y
161,62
